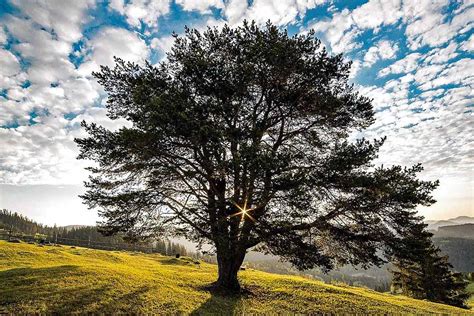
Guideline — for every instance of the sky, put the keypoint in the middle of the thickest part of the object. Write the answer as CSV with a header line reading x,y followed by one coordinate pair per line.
x,y
413,58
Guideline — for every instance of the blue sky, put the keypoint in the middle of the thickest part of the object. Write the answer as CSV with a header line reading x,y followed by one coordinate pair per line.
x,y
414,58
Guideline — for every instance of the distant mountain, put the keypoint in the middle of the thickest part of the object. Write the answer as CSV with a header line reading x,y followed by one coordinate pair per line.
x,y
438,224
435,224
457,231
463,220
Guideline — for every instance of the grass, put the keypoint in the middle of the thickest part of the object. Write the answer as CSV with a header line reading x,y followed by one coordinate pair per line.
x,y
470,290
63,280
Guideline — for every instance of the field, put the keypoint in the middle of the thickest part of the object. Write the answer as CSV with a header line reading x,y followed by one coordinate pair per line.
x,y
63,280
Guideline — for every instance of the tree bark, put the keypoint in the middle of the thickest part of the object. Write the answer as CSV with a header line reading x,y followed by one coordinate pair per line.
x,y
228,267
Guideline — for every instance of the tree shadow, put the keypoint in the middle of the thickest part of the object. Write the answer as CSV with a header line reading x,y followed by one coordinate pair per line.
x,y
175,261
222,303
38,287
124,304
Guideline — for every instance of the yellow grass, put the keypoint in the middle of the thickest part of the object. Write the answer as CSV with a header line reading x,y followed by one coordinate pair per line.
x,y
63,280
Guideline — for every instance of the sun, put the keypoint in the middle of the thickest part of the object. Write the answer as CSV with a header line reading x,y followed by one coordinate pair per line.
x,y
244,211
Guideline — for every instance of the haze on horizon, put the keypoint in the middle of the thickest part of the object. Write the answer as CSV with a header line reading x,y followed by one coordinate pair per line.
x,y
414,58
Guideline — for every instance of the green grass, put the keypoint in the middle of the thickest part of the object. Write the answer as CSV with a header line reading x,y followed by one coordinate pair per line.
x,y
62,280
470,289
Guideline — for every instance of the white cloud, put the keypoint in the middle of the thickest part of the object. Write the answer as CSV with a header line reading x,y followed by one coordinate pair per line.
x,y
382,50
42,153
433,70
34,42
280,12
235,10
375,13
425,20
9,64
439,136
138,11
202,6
343,28
334,29
422,17
427,73
47,56
428,25
3,37
355,67
442,55
13,111
404,65
468,45
46,152
162,43
304,5
460,72
41,148
64,20
110,42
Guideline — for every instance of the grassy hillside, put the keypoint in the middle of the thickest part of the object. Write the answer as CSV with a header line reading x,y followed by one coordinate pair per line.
x,y
63,280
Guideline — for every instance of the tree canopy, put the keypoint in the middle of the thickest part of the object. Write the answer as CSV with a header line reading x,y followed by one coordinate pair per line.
x,y
244,137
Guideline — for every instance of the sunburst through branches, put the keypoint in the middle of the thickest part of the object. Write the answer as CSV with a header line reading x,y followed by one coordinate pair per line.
x,y
243,211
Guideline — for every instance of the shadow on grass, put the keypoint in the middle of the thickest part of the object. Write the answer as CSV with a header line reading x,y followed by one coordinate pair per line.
x,y
224,303
129,303
220,305
51,290
183,261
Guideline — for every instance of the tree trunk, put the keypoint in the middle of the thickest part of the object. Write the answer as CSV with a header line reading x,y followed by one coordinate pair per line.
x,y
228,267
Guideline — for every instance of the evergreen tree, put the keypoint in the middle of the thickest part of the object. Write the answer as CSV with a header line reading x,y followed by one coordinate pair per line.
x,y
422,272
241,137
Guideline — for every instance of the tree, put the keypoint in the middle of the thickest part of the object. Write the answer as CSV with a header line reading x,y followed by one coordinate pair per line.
x,y
241,138
422,272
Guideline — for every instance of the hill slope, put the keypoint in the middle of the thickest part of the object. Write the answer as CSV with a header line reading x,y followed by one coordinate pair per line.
x,y
64,280
436,224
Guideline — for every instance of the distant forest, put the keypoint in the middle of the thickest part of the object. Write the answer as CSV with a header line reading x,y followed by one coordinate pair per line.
x,y
459,250
12,223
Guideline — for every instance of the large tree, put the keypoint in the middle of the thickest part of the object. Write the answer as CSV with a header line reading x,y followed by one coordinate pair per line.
x,y
244,137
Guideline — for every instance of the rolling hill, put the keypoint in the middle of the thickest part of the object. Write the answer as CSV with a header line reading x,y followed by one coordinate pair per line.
x,y
456,231
435,224
67,280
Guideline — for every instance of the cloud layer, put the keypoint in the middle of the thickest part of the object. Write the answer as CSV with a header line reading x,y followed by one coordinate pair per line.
x,y
414,58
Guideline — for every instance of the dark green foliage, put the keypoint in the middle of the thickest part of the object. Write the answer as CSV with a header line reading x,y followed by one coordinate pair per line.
x,y
252,117
422,272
